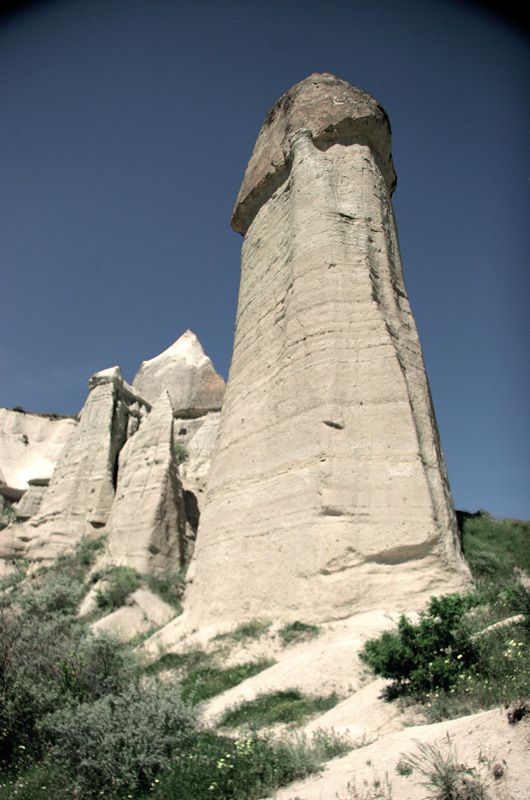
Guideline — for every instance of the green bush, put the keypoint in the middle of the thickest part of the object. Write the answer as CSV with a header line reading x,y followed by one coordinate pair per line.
x,y
120,583
119,744
181,452
429,655
169,586
47,662
7,514
290,705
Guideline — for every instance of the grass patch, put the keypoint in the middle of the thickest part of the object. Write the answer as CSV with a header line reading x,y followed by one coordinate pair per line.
x,y
207,681
286,706
296,632
493,547
183,662
253,629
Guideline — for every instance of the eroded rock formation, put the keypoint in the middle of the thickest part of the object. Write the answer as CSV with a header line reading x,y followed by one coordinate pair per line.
x,y
30,445
118,473
147,523
328,492
187,374
81,491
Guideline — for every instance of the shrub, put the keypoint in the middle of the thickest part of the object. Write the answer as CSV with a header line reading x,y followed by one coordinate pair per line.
x,y
120,743
45,663
169,586
120,583
56,594
297,632
429,655
181,452
268,709
7,514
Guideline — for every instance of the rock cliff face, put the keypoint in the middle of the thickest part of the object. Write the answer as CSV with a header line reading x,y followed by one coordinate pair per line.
x,y
30,445
147,522
119,472
328,490
81,491
187,374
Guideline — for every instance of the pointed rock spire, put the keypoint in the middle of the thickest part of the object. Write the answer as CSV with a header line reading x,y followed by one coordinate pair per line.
x,y
186,373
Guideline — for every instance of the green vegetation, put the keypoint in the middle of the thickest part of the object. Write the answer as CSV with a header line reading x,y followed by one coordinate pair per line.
x,y
451,661
181,452
169,586
445,777
120,582
269,709
206,681
253,629
183,662
246,768
296,632
7,514
79,718
494,547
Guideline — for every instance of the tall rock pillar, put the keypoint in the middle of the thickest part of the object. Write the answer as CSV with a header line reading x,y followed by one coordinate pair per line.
x,y
328,493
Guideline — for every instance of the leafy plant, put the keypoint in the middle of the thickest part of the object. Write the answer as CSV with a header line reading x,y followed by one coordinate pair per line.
x,y
120,582
181,452
290,705
431,654
169,586
297,631
120,743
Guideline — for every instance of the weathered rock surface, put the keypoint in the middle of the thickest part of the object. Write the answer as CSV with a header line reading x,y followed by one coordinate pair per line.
x,y
478,742
198,436
185,371
328,490
147,524
31,501
142,612
81,491
30,445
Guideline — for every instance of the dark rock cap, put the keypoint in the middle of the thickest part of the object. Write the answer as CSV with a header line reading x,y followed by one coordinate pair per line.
x,y
333,111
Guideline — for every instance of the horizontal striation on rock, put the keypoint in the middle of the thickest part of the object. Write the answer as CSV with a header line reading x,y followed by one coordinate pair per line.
x,y
328,489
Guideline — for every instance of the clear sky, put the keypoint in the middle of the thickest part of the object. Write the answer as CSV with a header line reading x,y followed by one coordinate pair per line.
x,y
125,129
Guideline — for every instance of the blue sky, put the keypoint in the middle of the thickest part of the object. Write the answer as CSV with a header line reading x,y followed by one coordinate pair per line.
x,y
126,127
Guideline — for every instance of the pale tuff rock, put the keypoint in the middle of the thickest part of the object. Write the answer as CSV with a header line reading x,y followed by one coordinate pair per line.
x,y
81,492
142,612
198,436
32,499
30,445
147,523
186,372
328,493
